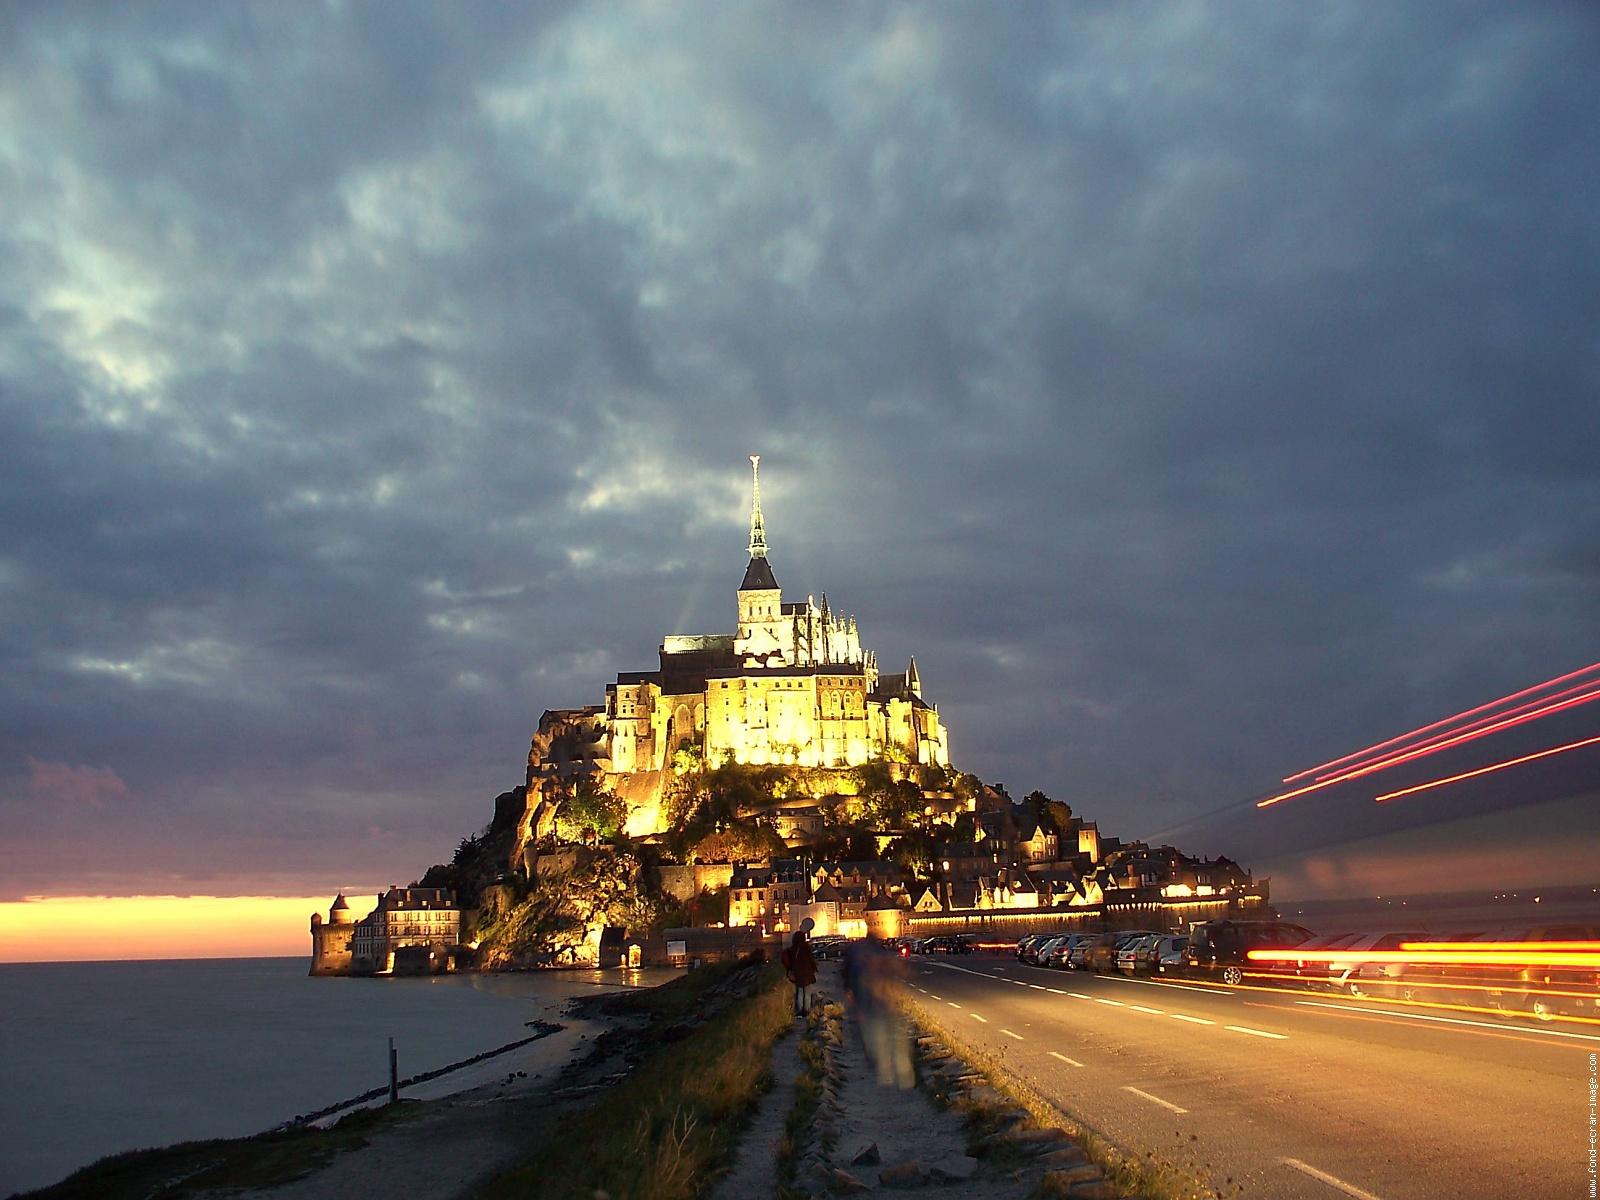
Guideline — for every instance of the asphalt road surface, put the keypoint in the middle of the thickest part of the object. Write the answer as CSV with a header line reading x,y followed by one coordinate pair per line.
x,y
1284,1095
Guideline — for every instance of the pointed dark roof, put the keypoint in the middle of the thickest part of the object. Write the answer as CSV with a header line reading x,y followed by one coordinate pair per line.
x,y
758,577
340,904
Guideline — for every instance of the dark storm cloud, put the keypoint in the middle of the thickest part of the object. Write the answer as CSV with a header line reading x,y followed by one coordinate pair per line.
x,y
1197,392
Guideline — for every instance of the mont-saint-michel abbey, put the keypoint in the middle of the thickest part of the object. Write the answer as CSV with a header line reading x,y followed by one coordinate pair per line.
x,y
754,778
792,685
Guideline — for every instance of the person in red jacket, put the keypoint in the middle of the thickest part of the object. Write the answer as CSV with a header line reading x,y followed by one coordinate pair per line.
x,y
801,967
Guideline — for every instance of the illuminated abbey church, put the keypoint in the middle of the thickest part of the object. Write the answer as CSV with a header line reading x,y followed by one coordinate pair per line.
x,y
792,685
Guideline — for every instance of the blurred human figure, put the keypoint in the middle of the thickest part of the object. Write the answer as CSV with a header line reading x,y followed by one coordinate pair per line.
x,y
801,966
870,975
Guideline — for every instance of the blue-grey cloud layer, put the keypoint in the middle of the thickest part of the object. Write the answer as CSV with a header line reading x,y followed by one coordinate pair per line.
x,y
1199,392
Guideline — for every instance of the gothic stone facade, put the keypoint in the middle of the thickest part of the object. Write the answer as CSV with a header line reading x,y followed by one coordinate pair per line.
x,y
791,684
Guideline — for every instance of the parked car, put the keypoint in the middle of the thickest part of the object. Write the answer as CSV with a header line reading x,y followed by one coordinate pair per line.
x,y
1313,972
1372,978
1028,945
1040,945
1101,955
1131,951
829,946
1219,949
1169,952
1547,991
1059,954
1078,955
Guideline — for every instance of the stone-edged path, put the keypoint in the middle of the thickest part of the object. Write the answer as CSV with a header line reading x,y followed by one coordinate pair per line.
x,y
869,1135
755,1166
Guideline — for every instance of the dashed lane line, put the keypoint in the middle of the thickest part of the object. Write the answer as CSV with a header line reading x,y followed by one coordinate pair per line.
x,y
1038,987
952,1004
1410,1016
1191,1020
1167,983
1018,1036
1078,996
1071,1062
1055,991
1333,1181
1115,1003
976,1017
931,996
1166,1104
1279,1037
1142,1008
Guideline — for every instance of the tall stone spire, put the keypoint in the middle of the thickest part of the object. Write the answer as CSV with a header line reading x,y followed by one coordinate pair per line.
x,y
758,535
758,575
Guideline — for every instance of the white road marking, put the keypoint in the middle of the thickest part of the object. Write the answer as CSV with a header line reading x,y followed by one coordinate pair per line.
x,y
976,1017
1167,1104
1191,1020
1183,987
1055,991
1038,987
1142,1008
1103,1000
1333,1181
1281,1037
1071,1062
952,1004
931,996
1019,983
1394,1012
1078,996
1018,1036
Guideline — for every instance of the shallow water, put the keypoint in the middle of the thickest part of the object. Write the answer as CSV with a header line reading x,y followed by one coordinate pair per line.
x,y
97,1058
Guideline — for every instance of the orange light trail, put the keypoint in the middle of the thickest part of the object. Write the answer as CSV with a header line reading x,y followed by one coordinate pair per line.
x,y
1588,947
1499,766
1528,956
1396,760
1528,691
1378,1003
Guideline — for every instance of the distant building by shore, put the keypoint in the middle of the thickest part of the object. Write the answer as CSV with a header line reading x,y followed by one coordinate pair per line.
x,y
410,931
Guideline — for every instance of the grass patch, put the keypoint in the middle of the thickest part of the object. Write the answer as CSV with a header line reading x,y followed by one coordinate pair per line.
x,y
660,1133
672,1001
190,1168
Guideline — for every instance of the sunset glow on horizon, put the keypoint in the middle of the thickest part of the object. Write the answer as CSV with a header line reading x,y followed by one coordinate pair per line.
x,y
110,928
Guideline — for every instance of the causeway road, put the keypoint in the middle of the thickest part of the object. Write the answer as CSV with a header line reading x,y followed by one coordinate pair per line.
x,y
1287,1095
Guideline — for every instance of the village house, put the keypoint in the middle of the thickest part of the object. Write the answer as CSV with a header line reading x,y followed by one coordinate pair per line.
x,y
762,893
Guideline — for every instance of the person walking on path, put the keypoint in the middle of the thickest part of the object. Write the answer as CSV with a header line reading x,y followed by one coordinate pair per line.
x,y
801,967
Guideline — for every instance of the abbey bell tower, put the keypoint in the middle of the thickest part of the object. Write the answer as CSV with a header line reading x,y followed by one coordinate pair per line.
x,y
759,640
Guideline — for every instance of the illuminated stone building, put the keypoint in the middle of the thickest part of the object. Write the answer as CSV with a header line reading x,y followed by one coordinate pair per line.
x,y
791,684
413,929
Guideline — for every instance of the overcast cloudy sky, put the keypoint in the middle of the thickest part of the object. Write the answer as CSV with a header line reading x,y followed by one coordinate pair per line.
x,y
1198,391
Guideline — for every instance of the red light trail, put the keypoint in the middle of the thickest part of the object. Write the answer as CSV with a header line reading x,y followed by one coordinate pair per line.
x,y
1499,766
1450,732
1448,735
1528,691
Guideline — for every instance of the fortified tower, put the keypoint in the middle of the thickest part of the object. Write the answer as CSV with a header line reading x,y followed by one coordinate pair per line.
x,y
330,941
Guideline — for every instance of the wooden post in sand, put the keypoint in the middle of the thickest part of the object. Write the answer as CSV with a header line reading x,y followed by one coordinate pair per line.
x,y
394,1074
